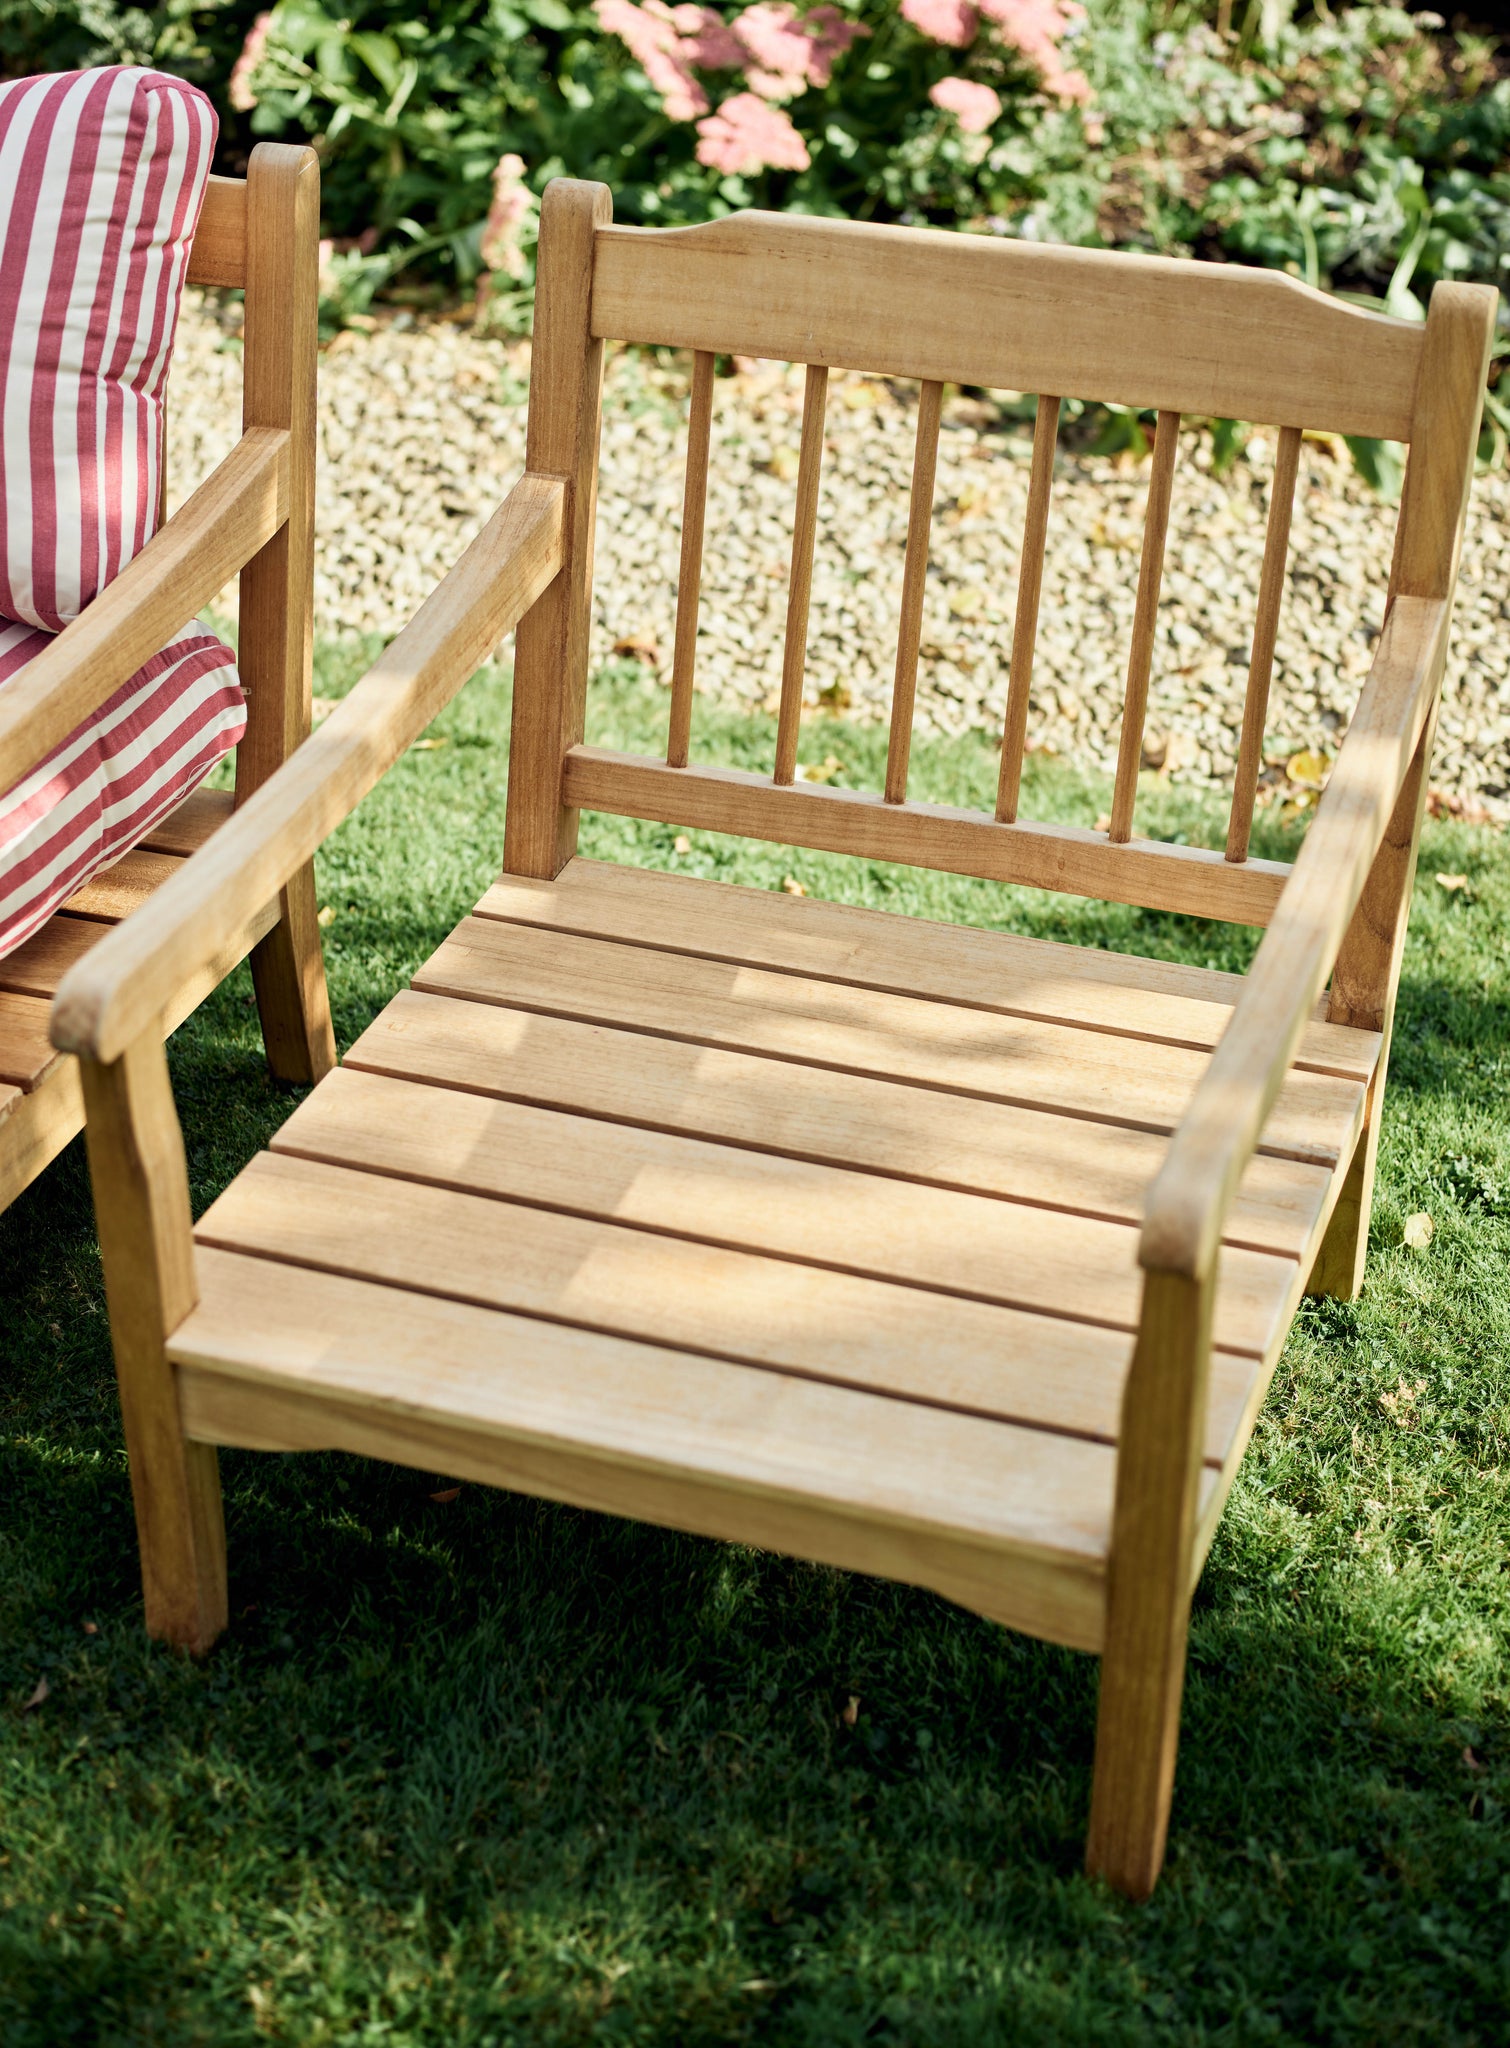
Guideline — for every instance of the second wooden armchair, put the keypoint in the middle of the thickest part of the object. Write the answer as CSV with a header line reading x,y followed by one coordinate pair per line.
x,y
254,514
925,1251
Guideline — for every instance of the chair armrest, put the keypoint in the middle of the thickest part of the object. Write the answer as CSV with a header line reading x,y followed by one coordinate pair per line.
x,y
235,511
198,919
1188,1201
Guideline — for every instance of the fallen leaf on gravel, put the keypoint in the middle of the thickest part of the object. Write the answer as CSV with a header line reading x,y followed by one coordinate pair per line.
x,y
1419,1230
1451,803
43,1689
445,1497
1452,883
784,465
639,647
1308,768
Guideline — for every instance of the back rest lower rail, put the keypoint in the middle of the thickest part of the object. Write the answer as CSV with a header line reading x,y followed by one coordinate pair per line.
x,y
1198,881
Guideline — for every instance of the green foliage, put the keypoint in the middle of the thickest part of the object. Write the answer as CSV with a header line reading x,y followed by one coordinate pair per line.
x,y
1363,149
194,40
494,1771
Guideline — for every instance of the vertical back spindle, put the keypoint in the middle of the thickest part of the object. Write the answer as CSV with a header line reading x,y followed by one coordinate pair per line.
x,y
1025,625
690,574
800,585
914,583
1266,626
1140,660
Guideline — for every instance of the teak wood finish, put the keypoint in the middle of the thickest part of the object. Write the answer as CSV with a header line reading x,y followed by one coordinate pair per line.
x,y
933,1252
253,514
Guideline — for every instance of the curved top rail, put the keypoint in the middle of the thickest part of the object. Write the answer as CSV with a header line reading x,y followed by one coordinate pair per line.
x,y
1206,338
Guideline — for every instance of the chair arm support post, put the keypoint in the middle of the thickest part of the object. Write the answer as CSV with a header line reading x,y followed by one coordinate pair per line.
x,y
235,511
141,1198
199,917
1188,1201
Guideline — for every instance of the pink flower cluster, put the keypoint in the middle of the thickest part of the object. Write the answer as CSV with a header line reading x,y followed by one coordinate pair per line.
x,y
974,106
510,209
780,51
666,42
788,52
747,135
239,89
1035,27
953,22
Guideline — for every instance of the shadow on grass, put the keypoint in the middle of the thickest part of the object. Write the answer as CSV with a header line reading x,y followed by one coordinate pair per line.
x,y
503,1741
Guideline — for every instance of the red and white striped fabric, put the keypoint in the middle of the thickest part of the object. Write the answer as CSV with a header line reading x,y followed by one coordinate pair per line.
x,y
105,786
102,174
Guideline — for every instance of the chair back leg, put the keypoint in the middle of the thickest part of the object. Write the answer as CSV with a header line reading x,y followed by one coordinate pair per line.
x,y
1364,984
282,314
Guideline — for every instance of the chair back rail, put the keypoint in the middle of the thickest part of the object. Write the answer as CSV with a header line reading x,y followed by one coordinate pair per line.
x,y
1153,332
800,582
690,571
914,581
923,306
1271,589
1035,536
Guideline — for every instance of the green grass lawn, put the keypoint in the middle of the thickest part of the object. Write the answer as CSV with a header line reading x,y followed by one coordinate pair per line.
x,y
498,1771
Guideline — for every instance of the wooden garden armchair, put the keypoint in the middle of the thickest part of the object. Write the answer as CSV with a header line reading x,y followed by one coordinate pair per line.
x,y
942,1254
255,514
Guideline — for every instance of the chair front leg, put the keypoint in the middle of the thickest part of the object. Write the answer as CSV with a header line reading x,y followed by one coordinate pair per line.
x,y
141,1199
1148,1592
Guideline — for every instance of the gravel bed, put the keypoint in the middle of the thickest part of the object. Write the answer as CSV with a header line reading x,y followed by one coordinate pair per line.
x,y
422,430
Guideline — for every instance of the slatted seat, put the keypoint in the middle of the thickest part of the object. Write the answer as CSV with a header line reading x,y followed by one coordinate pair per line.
x,y
941,1253
624,1156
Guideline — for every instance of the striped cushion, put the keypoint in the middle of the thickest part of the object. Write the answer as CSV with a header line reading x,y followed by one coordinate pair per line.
x,y
101,178
115,776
